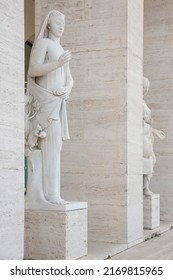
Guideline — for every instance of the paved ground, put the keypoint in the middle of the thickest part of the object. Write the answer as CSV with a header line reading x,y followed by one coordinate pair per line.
x,y
158,248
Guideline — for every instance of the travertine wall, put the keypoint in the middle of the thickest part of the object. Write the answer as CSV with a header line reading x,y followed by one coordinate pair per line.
x,y
12,129
29,8
134,120
158,67
101,163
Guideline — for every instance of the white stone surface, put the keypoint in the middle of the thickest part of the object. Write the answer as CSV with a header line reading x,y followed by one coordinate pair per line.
x,y
105,110
158,65
12,129
56,234
151,211
134,115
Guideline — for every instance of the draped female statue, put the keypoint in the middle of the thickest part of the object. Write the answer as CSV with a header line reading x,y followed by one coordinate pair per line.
x,y
149,158
49,86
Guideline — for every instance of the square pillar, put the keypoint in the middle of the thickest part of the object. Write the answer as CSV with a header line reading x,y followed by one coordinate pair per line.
x,y
102,164
12,130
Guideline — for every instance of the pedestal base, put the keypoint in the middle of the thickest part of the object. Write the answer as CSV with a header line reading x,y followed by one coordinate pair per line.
x,y
151,211
56,234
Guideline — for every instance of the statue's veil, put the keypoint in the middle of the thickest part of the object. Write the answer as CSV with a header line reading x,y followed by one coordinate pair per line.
x,y
43,32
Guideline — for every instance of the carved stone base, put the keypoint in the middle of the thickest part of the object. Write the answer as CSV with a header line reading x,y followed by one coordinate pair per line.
x,y
56,234
151,211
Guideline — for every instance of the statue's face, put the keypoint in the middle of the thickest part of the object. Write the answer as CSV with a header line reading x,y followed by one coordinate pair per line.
x,y
146,85
56,25
145,89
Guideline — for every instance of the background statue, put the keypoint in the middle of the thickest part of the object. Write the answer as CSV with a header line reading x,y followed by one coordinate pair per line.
x,y
149,158
49,86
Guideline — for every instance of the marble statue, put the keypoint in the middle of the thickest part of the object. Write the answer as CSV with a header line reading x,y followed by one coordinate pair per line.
x,y
49,87
149,158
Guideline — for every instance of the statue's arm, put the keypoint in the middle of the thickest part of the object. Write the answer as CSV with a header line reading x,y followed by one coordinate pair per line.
x,y
159,133
64,92
37,67
69,79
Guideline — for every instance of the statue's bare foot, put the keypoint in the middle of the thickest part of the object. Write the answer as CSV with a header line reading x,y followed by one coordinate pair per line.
x,y
56,200
147,192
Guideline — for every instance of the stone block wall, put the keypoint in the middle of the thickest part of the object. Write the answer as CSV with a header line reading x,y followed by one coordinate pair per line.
x,y
12,129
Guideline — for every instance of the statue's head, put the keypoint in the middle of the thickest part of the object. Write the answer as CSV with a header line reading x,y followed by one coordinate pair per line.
x,y
56,24
53,23
146,86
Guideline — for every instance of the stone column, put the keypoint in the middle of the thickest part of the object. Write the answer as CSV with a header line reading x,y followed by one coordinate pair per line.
x,y
158,65
12,129
102,164
134,121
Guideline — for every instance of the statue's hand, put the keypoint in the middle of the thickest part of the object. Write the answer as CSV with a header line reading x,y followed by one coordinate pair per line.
x,y
160,134
64,58
63,92
148,119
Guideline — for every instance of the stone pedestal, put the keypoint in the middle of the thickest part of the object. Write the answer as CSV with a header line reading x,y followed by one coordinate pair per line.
x,y
151,211
56,234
